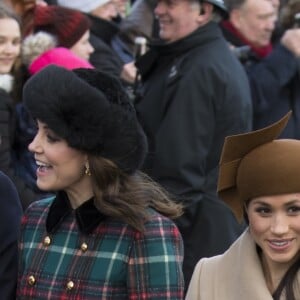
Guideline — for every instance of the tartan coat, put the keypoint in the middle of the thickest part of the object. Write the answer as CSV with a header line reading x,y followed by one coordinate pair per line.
x,y
82,254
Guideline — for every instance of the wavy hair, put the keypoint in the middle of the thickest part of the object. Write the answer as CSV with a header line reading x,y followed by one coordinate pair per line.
x,y
128,197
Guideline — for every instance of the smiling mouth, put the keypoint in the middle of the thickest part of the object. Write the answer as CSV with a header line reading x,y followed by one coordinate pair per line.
x,y
7,60
42,166
280,245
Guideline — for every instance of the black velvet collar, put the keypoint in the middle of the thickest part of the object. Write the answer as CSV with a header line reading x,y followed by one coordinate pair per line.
x,y
87,215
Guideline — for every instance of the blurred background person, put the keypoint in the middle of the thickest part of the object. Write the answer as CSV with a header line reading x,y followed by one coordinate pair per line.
x,y
140,22
290,14
10,48
194,92
104,30
272,69
10,215
69,29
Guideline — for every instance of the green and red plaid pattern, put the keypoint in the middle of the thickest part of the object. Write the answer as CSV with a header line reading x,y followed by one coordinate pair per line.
x,y
119,262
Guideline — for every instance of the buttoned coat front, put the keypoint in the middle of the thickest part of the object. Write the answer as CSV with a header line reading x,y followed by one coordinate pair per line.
x,y
81,254
235,275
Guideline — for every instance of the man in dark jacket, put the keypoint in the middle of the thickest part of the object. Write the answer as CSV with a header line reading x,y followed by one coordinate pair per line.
x,y
10,216
195,93
272,70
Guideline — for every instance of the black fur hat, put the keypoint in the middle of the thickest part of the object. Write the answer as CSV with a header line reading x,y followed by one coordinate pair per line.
x,y
90,110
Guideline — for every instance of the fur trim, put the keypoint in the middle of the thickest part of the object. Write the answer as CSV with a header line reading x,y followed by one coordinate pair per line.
x,y
36,44
91,111
6,82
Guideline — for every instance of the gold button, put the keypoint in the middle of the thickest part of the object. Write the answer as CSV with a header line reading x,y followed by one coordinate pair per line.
x,y
70,285
47,241
84,247
31,280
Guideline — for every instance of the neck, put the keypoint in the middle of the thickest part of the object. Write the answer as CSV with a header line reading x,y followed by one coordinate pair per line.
x,y
80,194
273,272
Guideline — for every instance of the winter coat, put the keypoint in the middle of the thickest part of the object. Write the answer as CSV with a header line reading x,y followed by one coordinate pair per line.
x,y
104,57
10,216
235,275
195,93
82,254
8,146
275,88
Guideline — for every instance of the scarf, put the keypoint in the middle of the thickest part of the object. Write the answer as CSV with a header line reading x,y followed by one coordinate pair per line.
x,y
6,82
261,52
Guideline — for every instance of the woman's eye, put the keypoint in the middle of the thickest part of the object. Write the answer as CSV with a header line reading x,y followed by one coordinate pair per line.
x,y
294,209
263,210
52,139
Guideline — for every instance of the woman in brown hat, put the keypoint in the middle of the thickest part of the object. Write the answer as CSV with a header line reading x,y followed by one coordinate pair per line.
x,y
258,179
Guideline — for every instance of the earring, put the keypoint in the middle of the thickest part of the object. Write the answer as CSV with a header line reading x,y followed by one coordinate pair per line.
x,y
87,170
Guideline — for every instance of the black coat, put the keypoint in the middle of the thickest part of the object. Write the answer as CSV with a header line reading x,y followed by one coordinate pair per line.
x,y
195,93
8,139
104,57
10,216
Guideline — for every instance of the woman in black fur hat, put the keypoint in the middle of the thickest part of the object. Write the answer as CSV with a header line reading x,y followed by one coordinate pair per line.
x,y
106,234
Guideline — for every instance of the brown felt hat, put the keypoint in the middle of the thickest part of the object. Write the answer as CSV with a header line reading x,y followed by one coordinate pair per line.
x,y
257,164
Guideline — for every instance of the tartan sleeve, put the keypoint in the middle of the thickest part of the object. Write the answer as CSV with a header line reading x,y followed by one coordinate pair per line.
x,y
155,264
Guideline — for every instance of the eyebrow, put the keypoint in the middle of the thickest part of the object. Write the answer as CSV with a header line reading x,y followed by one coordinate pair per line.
x,y
291,202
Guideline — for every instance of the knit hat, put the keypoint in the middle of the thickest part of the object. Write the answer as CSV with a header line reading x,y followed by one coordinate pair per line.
x,y
67,25
255,164
82,5
90,110
58,56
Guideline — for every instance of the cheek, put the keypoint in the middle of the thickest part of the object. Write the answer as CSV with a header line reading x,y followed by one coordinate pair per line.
x,y
258,226
17,50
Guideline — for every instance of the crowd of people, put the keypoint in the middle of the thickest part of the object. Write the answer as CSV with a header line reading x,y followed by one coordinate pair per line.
x,y
153,170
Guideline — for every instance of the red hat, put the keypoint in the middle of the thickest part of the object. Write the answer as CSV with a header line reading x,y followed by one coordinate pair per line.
x,y
66,24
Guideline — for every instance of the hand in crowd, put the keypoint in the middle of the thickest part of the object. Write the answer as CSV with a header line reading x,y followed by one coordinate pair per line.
x,y
291,40
129,72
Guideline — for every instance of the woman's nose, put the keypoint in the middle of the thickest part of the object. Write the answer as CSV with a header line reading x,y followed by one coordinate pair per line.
x,y
35,146
279,224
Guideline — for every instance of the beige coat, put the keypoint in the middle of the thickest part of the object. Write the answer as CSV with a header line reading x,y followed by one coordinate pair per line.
x,y
235,275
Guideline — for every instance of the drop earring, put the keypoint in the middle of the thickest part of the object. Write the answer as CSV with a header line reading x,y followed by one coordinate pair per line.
x,y
87,170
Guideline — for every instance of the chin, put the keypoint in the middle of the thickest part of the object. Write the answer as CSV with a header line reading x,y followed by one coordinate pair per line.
x,y
44,187
5,70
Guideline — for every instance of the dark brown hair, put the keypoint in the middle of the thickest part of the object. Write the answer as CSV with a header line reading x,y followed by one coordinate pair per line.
x,y
287,283
128,197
